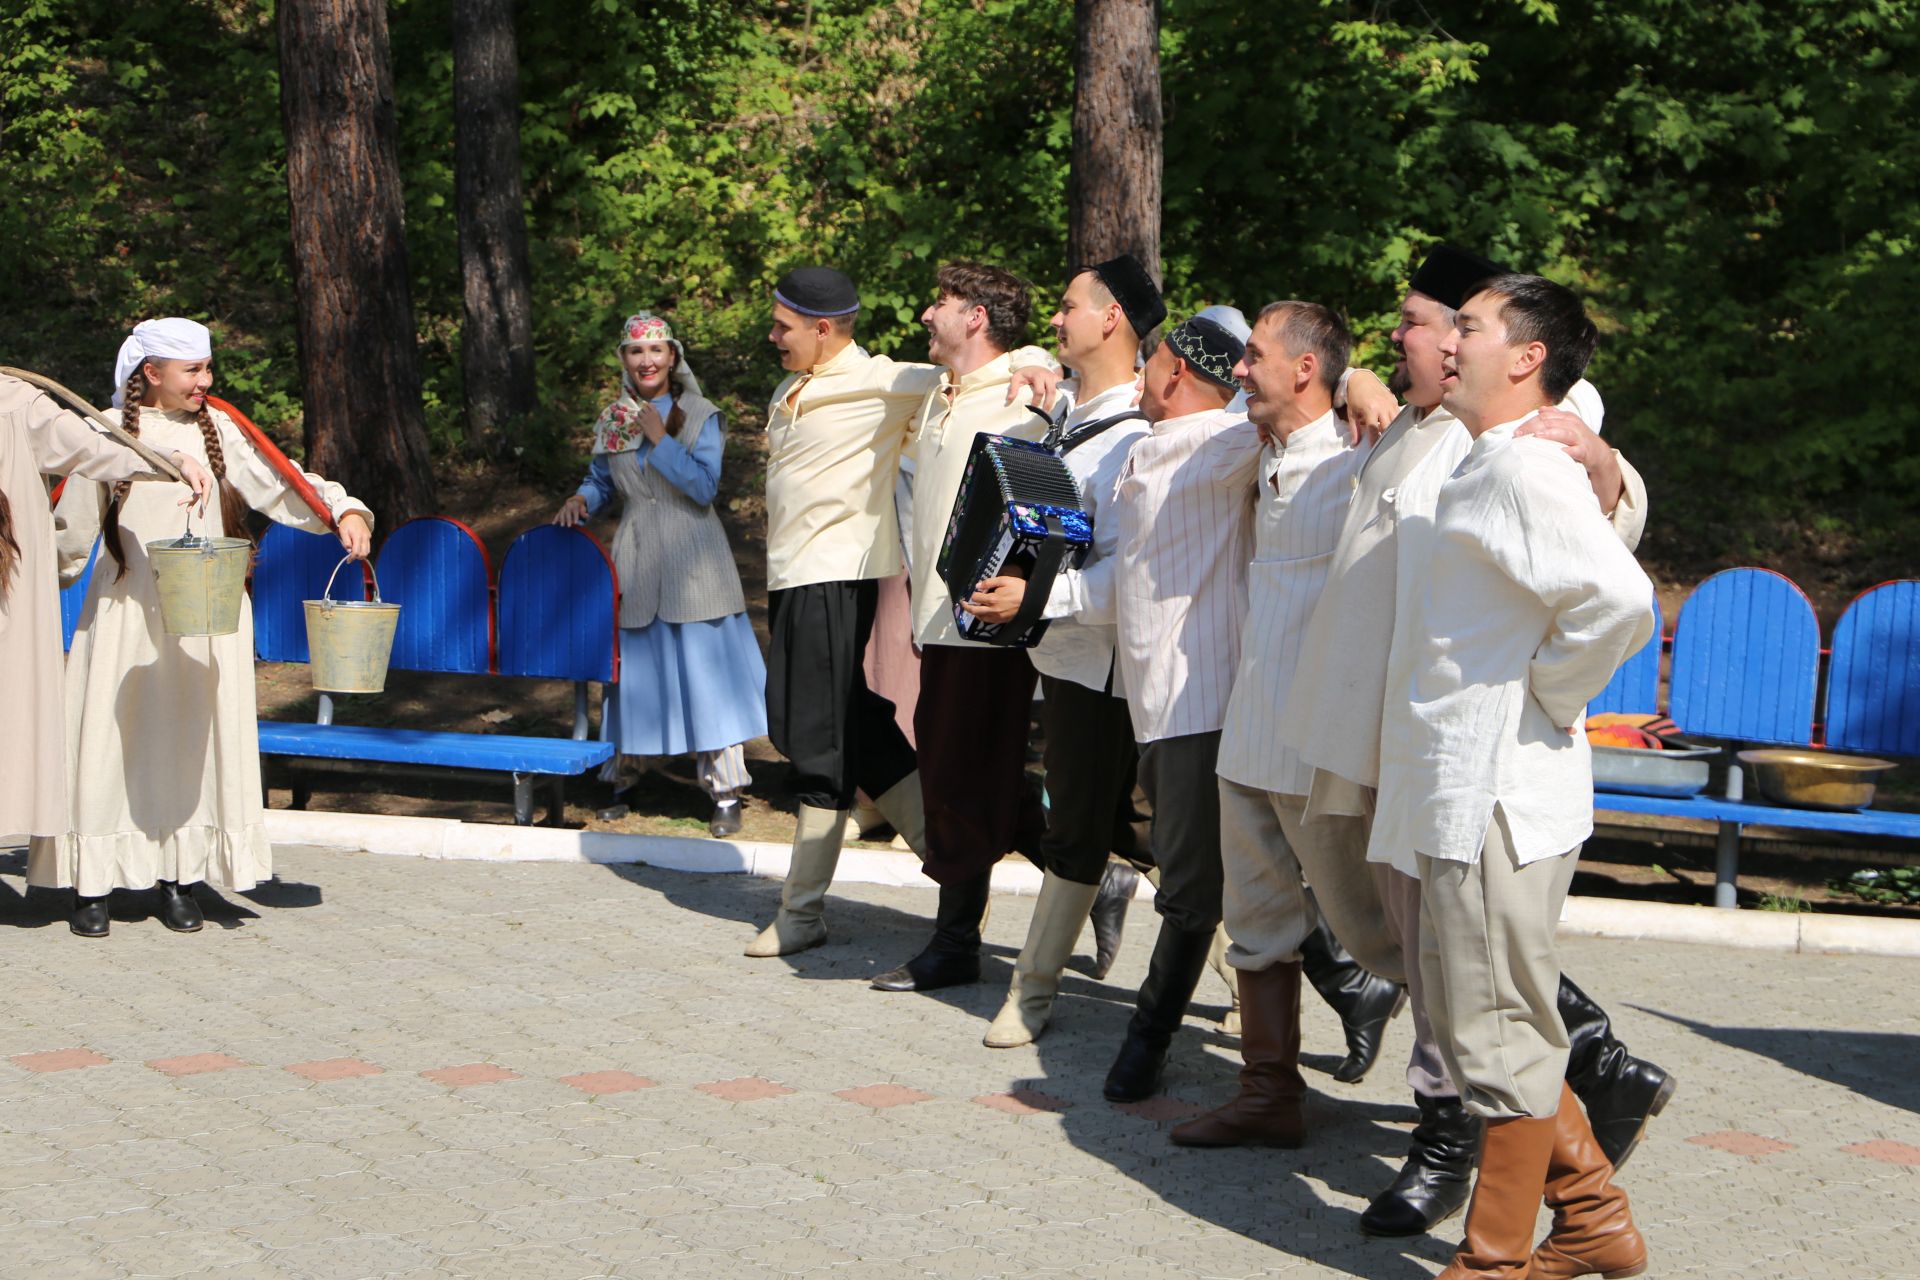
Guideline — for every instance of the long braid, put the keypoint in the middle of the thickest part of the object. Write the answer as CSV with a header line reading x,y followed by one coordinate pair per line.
x,y
9,549
117,493
233,507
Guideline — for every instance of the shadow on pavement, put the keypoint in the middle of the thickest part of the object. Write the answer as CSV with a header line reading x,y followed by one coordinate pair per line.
x,y
1874,1064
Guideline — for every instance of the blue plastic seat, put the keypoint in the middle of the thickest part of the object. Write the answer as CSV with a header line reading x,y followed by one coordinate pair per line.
x,y
436,570
74,598
1873,678
559,607
292,568
1746,659
1635,687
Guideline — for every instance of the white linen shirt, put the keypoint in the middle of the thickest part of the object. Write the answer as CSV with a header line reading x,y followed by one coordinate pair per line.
x,y
1079,642
1531,603
1185,508
1303,489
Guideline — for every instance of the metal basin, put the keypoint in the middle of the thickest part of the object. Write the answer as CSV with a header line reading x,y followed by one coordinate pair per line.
x,y
1808,779
1646,771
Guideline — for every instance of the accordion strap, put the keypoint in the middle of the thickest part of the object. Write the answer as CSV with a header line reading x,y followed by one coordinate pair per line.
x,y
1067,442
1047,558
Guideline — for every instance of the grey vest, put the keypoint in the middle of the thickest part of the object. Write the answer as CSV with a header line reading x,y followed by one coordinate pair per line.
x,y
671,552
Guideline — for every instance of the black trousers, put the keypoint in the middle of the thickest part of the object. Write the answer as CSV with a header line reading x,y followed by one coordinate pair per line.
x,y
1178,776
1090,760
840,735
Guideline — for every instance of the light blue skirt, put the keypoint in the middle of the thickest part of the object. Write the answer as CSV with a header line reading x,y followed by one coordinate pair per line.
x,y
686,687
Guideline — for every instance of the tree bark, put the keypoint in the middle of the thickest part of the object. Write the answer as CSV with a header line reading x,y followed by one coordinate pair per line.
x,y
364,422
1113,190
496,338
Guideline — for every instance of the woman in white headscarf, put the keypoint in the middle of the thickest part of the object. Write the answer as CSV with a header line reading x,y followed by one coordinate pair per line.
x,y
39,438
692,678
166,726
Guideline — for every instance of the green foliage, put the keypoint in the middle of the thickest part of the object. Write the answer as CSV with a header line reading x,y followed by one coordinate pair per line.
x,y
1890,886
1733,186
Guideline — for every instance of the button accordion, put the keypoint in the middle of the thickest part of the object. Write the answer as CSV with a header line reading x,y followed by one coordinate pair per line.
x,y
1018,509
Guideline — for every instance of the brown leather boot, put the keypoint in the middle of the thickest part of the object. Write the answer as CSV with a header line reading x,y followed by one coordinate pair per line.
x,y
1267,1111
1593,1232
1513,1176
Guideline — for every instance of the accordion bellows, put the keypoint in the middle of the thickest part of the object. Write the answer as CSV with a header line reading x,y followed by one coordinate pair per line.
x,y
1018,511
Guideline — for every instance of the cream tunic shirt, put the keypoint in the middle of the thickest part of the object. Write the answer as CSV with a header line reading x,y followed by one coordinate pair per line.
x,y
1303,490
1531,603
953,414
1185,508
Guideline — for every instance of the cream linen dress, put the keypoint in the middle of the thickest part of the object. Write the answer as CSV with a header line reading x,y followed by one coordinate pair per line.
x,y
165,725
38,437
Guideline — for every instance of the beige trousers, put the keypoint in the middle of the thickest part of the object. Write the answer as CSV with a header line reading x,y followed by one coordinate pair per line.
x,y
1267,847
1492,975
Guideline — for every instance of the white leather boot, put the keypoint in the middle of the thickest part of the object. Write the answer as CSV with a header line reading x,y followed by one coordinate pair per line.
x,y
1058,915
903,807
816,852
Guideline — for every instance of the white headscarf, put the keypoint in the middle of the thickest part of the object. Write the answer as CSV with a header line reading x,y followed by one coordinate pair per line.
x,y
174,338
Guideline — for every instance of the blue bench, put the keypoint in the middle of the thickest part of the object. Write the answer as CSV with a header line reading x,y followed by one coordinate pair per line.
x,y
1746,666
557,600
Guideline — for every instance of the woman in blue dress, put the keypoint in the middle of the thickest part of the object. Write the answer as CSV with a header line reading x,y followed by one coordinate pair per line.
x,y
692,679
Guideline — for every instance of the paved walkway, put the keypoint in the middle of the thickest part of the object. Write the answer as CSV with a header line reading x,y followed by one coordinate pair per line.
x,y
385,1066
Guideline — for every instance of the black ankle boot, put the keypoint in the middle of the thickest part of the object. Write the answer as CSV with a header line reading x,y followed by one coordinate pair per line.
x,y
1437,1178
1109,913
90,918
1620,1092
1179,957
1364,1001
178,911
951,957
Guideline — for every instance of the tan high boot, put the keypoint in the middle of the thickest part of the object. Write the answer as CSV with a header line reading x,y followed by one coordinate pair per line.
x,y
1217,961
1266,1112
1513,1176
816,851
1593,1232
903,807
1058,914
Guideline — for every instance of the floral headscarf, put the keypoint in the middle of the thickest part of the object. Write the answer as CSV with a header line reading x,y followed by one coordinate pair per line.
x,y
617,430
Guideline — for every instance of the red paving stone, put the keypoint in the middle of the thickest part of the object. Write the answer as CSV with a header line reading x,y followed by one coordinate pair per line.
x,y
1023,1102
59,1060
1881,1149
334,1069
471,1073
883,1095
194,1064
607,1081
1742,1144
1161,1108
745,1089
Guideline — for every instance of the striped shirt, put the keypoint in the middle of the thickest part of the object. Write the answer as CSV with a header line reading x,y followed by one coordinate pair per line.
x,y
1304,488
1185,510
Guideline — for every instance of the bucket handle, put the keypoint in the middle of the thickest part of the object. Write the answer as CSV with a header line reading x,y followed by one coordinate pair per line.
x,y
326,596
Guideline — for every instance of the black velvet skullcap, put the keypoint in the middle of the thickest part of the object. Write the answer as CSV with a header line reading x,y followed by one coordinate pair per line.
x,y
1449,275
1134,290
817,291
1210,349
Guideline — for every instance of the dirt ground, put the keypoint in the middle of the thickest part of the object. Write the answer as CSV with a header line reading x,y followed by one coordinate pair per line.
x,y
1652,859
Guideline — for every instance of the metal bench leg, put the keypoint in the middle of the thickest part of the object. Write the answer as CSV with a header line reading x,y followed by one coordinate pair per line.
x,y
557,804
522,799
1726,866
302,792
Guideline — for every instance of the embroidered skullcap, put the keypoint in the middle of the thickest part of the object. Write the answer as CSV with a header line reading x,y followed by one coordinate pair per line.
x,y
817,291
1228,318
1450,273
173,338
1210,349
1134,290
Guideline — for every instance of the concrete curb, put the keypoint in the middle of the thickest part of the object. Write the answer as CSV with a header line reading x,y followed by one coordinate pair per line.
x,y
485,842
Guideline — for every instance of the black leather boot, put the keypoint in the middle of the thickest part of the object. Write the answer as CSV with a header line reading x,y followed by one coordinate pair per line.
x,y
1620,1092
1109,914
1437,1178
90,918
952,956
1179,957
178,911
1364,1001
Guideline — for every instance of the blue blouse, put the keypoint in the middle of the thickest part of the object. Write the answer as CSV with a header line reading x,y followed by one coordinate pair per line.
x,y
695,472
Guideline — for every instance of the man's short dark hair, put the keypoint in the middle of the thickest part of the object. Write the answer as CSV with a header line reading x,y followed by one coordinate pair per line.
x,y
1003,294
1308,326
1535,309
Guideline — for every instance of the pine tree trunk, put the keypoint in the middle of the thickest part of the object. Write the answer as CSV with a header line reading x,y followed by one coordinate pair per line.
x,y
1113,193
496,338
364,422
